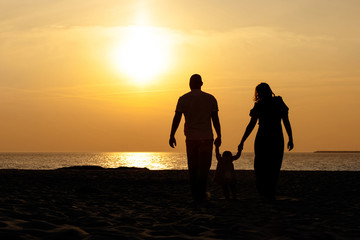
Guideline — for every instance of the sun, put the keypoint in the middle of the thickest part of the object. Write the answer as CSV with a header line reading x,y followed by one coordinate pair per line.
x,y
142,54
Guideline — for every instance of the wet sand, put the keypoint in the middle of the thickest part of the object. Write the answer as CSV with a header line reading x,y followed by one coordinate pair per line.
x,y
95,203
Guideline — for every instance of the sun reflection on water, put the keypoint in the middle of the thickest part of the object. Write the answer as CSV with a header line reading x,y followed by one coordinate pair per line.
x,y
170,161
150,160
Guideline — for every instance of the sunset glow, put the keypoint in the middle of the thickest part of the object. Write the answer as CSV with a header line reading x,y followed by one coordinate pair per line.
x,y
105,76
143,54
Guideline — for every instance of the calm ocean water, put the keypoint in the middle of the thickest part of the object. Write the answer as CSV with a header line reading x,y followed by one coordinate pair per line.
x,y
167,160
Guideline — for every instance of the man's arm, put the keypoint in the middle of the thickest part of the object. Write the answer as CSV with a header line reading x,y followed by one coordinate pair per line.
x,y
174,127
217,151
216,123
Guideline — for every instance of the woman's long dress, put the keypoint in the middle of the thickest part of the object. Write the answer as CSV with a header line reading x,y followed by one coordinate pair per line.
x,y
269,144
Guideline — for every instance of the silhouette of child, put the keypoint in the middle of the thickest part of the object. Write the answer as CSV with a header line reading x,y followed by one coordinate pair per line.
x,y
225,173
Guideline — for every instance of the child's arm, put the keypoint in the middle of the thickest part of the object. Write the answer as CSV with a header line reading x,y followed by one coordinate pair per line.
x,y
237,156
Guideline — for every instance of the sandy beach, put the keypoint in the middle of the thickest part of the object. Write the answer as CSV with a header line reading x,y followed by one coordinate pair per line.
x,y
96,203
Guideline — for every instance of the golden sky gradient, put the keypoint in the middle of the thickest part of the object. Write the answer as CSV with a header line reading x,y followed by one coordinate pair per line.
x,y
68,81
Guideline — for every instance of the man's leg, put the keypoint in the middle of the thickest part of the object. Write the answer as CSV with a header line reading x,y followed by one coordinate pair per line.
x,y
192,157
205,157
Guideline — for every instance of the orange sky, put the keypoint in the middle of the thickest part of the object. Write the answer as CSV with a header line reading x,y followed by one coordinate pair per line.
x,y
65,87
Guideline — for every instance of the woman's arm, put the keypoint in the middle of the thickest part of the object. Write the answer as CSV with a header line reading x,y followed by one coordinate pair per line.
x,y
287,125
247,132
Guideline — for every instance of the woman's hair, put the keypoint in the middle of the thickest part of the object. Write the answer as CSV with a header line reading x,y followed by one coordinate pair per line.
x,y
262,91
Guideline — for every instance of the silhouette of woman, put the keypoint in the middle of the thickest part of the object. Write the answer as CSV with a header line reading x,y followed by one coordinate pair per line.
x,y
269,142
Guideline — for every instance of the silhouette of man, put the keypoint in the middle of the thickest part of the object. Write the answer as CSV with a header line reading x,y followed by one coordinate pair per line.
x,y
199,109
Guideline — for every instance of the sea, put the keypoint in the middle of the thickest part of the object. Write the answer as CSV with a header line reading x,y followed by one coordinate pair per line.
x,y
171,160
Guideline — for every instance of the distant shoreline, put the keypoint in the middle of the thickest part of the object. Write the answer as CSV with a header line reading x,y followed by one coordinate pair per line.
x,y
337,152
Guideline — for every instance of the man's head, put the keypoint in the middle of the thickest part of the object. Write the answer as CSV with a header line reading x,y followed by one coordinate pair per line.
x,y
195,82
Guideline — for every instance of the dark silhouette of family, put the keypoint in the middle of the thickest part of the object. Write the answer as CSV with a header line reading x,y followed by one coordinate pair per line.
x,y
200,110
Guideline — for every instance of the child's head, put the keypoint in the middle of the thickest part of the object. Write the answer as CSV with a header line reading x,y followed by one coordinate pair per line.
x,y
227,154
